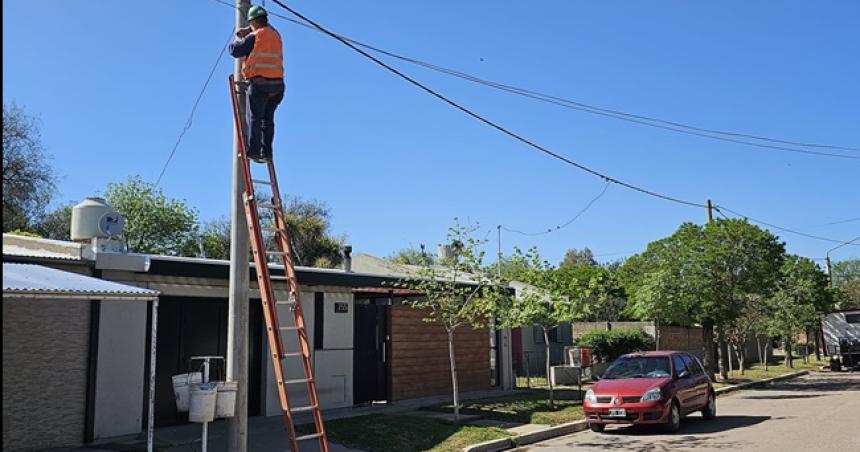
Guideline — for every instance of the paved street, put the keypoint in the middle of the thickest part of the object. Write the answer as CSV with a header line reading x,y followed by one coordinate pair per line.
x,y
818,412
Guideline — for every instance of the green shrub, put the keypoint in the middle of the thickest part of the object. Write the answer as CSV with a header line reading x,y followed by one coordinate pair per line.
x,y
24,233
608,345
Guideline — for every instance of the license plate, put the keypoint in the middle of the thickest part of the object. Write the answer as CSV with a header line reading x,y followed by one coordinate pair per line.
x,y
617,412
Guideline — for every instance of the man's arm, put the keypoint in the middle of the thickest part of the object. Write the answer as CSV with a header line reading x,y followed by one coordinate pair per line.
x,y
242,46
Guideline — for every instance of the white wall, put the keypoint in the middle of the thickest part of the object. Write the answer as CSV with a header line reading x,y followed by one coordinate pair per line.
x,y
332,364
120,371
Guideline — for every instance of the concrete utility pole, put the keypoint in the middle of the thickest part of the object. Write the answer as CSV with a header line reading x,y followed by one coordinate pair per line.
x,y
237,309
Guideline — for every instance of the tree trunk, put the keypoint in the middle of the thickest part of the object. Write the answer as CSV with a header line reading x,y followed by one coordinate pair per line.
x,y
708,348
788,363
758,349
657,335
723,354
818,344
548,376
766,344
740,352
454,386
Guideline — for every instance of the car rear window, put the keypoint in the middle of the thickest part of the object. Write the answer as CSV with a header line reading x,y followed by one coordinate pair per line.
x,y
638,367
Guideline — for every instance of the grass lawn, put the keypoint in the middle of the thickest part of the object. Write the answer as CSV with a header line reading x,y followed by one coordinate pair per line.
x,y
386,433
527,407
775,369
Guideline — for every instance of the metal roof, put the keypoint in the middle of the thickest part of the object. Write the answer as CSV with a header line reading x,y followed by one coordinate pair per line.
x,y
27,280
15,245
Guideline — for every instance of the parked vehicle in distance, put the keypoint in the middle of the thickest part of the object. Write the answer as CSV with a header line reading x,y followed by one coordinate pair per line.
x,y
650,388
842,336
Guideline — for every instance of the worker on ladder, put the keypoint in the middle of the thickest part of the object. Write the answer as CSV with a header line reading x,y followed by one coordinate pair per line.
x,y
263,67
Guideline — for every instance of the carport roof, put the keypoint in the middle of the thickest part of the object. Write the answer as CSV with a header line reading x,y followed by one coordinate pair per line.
x,y
30,280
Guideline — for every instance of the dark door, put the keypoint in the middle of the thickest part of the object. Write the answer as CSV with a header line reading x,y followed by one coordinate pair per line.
x,y
370,380
198,326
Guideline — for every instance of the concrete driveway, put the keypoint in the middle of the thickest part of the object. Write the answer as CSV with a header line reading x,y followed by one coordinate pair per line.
x,y
817,412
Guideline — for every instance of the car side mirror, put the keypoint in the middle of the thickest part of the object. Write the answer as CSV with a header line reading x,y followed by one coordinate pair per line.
x,y
596,377
683,374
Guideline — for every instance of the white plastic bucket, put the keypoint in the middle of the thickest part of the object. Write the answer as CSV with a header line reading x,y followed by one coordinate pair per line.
x,y
181,386
202,405
225,403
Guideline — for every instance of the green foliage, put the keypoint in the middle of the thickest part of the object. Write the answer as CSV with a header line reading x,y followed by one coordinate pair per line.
x,y
802,296
597,289
309,226
155,224
412,256
611,344
24,233
56,224
574,257
28,179
459,290
846,277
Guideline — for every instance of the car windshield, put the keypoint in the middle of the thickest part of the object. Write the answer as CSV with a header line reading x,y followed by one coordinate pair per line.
x,y
639,367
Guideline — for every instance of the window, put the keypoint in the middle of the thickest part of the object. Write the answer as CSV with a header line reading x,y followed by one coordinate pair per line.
x,y
679,364
638,367
692,367
852,318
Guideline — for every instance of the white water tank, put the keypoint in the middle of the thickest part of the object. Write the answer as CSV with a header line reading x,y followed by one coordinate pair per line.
x,y
94,218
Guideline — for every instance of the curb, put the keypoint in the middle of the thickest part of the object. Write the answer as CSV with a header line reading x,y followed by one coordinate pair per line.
x,y
578,426
528,438
753,384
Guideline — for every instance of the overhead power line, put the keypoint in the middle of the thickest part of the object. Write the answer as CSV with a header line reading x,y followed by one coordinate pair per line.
x,y
190,119
488,122
728,136
720,208
568,223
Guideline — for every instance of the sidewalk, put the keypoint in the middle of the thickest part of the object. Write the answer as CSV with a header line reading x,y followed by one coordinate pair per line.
x,y
265,433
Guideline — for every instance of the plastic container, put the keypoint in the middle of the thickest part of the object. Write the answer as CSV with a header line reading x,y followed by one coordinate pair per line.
x,y
202,405
225,403
181,389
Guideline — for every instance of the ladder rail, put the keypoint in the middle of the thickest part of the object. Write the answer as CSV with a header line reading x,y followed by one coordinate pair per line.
x,y
267,292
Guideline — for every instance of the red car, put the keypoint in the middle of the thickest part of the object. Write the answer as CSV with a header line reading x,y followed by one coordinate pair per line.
x,y
650,388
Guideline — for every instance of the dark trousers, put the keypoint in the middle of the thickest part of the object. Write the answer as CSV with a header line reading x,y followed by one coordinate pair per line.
x,y
263,98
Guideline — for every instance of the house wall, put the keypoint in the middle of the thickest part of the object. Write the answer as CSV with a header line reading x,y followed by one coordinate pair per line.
x,y
534,351
121,360
45,366
419,356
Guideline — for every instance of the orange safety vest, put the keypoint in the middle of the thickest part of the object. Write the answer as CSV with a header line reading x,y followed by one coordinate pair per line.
x,y
267,57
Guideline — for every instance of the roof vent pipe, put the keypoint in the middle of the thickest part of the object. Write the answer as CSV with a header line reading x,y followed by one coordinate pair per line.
x,y
347,258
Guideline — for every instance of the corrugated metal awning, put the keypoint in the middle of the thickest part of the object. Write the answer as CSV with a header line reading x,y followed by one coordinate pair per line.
x,y
30,280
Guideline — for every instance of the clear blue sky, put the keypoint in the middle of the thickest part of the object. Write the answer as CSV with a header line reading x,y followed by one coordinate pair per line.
x,y
113,82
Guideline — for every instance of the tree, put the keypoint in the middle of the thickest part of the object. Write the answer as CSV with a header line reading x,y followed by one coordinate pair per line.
x,y
704,275
56,224
574,257
801,297
155,224
28,180
412,256
543,301
215,236
846,276
598,289
457,291
309,224
750,321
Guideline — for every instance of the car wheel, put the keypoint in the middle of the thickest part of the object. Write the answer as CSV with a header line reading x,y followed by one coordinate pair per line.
x,y
598,428
673,424
710,409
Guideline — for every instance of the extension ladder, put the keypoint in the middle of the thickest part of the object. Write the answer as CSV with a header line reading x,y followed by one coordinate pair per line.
x,y
271,305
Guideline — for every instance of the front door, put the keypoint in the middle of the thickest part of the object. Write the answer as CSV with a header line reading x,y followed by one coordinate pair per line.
x,y
370,379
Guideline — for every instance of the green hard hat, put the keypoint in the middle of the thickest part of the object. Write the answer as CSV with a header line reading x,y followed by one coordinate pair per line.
x,y
256,12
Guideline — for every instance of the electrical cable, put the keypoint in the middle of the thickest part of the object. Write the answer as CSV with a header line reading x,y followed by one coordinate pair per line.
x,y
556,228
488,122
675,126
190,119
720,208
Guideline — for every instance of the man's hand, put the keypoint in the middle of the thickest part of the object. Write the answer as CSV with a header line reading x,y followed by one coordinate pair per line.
x,y
242,32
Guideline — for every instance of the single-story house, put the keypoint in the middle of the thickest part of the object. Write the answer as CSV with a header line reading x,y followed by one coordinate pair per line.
x,y
367,345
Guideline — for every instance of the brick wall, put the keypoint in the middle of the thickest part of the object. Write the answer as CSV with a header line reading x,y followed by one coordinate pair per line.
x,y
45,351
419,356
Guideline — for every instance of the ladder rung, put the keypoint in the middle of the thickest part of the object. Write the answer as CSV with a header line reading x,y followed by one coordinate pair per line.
x,y
291,354
291,328
266,205
307,437
259,181
297,381
285,302
276,253
267,229
302,409
278,278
